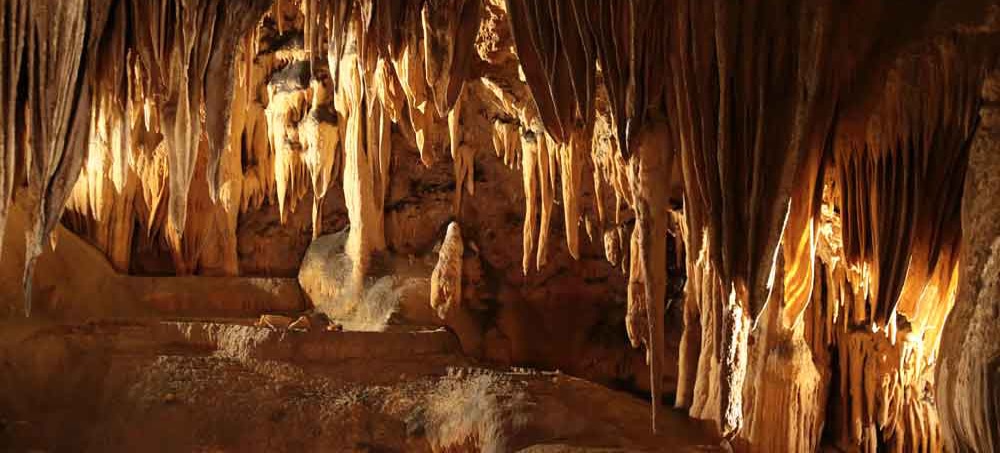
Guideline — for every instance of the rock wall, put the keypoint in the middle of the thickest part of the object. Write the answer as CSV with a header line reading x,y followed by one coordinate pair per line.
x,y
968,375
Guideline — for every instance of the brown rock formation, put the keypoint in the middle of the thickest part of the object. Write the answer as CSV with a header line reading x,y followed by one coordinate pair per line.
x,y
779,201
968,391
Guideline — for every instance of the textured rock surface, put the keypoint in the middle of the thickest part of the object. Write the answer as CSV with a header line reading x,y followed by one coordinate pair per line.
x,y
396,290
968,376
241,388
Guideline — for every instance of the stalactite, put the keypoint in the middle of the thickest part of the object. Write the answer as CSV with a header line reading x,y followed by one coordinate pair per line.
x,y
180,116
740,152
610,171
230,196
529,171
506,143
462,156
556,53
182,72
884,378
571,163
557,56
758,99
449,28
967,385
409,66
258,177
691,335
546,147
320,137
234,20
897,175
101,205
287,104
649,176
367,151
703,295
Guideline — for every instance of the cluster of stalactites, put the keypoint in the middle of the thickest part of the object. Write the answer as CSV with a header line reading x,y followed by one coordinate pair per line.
x,y
399,61
187,52
285,119
559,46
882,378
900,183
890,248
163,112
752,166
740,155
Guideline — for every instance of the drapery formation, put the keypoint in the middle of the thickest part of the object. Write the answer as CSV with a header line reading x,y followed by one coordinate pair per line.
x,y
817,148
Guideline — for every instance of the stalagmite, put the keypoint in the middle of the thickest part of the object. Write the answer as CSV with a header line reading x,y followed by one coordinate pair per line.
x,y
446,296
446,280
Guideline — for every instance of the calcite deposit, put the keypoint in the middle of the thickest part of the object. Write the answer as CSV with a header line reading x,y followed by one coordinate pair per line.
x,y
773,219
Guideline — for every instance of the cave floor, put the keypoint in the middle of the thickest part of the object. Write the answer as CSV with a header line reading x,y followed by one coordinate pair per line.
x,y
226,385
